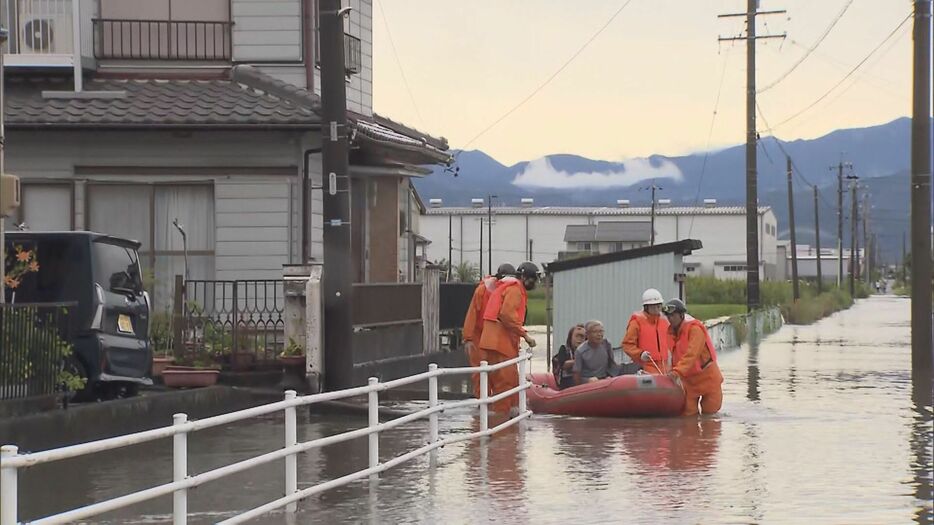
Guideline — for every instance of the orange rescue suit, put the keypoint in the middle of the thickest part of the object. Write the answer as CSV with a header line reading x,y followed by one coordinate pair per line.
x,y
695,362
651,334
473,325
502,329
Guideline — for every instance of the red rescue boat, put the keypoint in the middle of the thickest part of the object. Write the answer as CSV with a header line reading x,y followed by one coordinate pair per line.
x,y
622,396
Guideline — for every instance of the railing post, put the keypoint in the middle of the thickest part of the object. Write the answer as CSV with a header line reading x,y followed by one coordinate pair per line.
x,y
523,366
484,388
180,471
373,410
291,461
8,487
432,403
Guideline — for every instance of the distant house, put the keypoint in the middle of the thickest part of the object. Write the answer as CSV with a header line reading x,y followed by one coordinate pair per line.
x,y
212,127
606,237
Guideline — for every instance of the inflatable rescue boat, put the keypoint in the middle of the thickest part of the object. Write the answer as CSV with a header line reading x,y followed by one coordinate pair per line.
x,y
633,395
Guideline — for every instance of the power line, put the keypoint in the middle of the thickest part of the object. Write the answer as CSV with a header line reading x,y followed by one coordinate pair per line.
x,y
395,55
547,81
848,75
713,120
809,50
794,167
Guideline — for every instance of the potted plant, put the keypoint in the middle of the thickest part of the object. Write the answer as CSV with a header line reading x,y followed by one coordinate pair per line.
x,y
293,355
160,339
193,371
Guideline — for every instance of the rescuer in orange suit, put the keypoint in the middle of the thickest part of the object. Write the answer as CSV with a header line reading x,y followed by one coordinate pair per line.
x,y
647,340
695,361
503,321
473,322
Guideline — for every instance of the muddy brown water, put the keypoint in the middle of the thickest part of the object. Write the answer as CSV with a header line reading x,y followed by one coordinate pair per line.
x,y
819,424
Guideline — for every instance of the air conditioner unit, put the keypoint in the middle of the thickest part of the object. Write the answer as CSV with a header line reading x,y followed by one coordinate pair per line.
x,y
45,27
10,196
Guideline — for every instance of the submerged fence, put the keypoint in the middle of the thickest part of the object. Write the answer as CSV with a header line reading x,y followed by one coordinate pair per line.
x,y
34,340
11,461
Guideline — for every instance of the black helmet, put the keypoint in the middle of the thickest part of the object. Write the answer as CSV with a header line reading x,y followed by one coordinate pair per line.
x,y
674,306
527,270
504,270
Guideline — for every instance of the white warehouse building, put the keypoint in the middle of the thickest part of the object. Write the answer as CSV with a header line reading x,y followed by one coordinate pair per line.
x,y
546,234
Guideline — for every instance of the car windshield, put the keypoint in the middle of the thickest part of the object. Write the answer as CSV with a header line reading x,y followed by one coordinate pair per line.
x,y
116,267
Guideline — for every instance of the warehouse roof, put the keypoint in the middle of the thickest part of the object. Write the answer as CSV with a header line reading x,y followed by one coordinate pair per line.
x,y
596,210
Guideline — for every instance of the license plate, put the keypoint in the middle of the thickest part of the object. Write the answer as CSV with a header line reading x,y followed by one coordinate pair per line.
x,y
124,326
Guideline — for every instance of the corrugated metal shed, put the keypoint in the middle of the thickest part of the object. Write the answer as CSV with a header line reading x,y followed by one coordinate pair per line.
x,y
609,287
595,210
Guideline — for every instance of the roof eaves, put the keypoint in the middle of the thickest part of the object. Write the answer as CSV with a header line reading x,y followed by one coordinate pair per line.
x,y
683,247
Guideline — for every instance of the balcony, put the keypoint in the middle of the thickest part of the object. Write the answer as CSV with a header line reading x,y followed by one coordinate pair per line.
x,y
42,32
175,40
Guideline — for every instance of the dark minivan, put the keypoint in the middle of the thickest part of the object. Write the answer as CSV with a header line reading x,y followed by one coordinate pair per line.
x,y
110,325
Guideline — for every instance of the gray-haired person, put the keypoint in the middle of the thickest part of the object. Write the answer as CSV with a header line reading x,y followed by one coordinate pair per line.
x,y
594,358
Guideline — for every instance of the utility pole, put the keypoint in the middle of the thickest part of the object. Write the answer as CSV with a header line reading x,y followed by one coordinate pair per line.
x,y
489,225
840,222
854,256
481,246
922,347
794,246
653,187
752,189
4,34
820,277
904,260
867,272
337,286
450,243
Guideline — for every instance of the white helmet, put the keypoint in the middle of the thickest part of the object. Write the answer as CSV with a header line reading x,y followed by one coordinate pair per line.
x,y
652,296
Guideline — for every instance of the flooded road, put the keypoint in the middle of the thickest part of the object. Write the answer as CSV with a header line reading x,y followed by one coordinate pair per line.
x,y
818,424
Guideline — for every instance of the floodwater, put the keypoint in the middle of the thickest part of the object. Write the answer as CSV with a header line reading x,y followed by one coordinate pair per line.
x,y
819,423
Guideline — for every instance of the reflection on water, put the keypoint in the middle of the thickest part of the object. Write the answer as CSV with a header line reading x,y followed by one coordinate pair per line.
x,y
821,422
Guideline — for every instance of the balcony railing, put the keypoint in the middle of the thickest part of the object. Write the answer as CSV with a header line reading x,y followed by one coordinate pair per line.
x,y
124,39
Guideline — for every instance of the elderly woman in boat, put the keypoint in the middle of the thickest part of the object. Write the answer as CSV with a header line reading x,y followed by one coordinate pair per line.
x,y
594,358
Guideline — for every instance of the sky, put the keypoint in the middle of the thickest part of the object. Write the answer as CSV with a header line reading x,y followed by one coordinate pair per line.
x,y
649,83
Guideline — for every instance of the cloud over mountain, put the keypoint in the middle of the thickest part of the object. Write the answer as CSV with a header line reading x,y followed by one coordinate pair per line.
x,y
541,173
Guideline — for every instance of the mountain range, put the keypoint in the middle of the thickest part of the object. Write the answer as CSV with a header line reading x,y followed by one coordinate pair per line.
x,y
879,155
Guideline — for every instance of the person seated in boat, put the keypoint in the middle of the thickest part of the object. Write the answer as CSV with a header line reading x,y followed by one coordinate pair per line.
x,y
647,340
563,364
593,359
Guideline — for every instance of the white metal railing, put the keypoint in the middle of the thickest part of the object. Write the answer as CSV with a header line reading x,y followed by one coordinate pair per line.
x,y
11,461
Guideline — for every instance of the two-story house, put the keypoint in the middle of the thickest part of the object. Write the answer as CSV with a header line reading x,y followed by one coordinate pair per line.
x,y
123,116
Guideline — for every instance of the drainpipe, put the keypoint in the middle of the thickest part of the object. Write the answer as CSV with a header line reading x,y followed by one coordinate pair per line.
x,y
306,204
308,46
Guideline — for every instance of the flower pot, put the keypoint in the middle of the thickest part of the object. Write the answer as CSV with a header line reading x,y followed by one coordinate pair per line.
x,y
241,360
189,377
159,364
292,360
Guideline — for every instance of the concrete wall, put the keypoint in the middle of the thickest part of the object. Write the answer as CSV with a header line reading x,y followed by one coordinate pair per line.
x,y
611,292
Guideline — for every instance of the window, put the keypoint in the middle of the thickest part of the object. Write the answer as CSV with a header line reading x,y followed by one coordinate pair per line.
x,y
145,213
734,268
584,246
690,269
45,207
